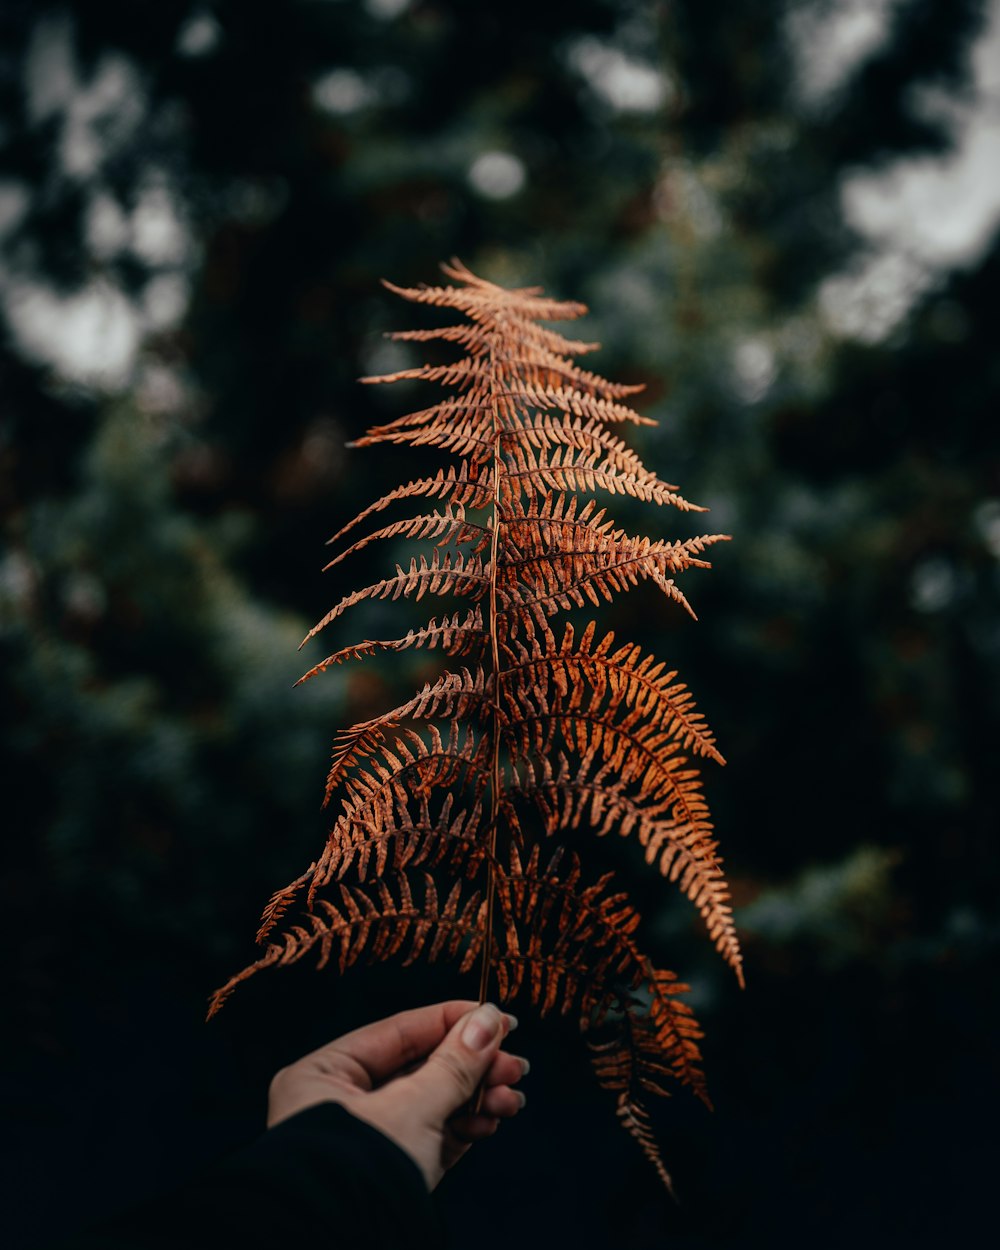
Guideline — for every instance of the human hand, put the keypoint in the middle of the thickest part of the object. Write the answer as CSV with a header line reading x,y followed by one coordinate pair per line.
x,y
411,1076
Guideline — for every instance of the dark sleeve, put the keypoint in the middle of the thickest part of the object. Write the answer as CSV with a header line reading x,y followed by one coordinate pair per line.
x,y
321,1178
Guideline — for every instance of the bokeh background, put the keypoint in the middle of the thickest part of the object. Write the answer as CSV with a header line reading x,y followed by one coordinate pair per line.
x,y
783,215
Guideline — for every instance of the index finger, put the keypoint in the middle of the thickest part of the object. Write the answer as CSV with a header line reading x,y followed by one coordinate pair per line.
x,y
385,1046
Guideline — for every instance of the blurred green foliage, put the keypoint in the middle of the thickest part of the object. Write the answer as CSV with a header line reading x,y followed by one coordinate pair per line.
x,y
197,204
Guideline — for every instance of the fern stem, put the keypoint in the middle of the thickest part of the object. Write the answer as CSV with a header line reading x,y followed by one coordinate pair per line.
x,y
484,972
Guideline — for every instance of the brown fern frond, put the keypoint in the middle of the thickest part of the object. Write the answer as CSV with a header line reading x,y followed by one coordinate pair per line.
x,y
380,794
451,837
461,575
542,367
545,471
452,635
634,1118
544,581
573,404
590,795
547,731
615,677
543,433
279,902
576,944
454,484
473,412
552,523
484,301
466,425
479,341
450,526
638,755
467,439
378,928
649,1046
412,765
452,695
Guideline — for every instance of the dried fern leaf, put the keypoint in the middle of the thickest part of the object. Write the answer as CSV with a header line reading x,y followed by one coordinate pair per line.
x,y
480,341
456,485
559,469
548,731
589,795
379,927
452,635
465,576
452,695
450,526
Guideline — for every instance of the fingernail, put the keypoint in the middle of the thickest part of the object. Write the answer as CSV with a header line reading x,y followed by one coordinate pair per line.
x,y
520,1098
481,1027
525,1066
511,1022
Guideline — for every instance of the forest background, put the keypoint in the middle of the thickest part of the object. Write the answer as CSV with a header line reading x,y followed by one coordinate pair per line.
x,y
784,219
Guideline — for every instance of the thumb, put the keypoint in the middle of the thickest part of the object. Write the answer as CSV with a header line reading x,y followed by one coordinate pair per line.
x,y
453,1071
